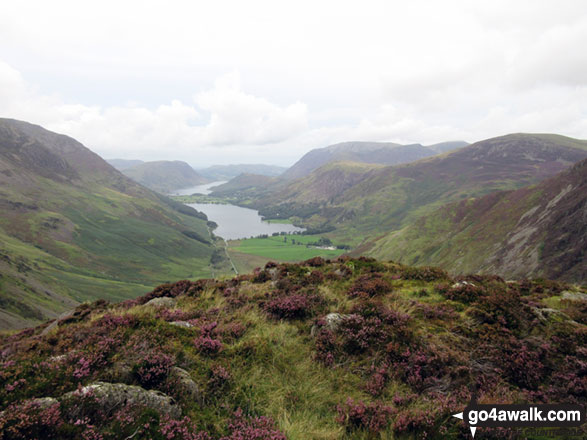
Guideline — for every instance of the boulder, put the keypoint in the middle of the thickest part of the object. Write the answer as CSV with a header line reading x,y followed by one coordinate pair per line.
x,y
185,385
574,296
110,396
183,324
332,322
164,301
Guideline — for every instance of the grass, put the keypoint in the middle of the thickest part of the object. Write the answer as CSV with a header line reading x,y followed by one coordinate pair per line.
x,y
276,248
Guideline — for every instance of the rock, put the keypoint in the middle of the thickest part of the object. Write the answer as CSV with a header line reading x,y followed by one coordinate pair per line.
x,y
461,284
185,384
162,302
56,322
45,402
119,372
111,396
183,324
547,314
332,322
574,296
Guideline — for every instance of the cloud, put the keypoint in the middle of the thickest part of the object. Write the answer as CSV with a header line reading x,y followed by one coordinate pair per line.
x,y
240,118
220,117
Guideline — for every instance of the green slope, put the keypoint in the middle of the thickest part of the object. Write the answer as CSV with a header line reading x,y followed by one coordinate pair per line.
x,y
535,231
164,176
404,352
84,229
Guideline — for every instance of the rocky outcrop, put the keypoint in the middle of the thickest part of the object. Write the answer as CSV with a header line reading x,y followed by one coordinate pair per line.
x,y
162,302
115,395
185,385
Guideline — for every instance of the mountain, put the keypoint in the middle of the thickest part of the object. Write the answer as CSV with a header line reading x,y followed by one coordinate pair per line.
x,y
245,184
123,164
443,147
227,172
358,206
383,153
164,176
72,228
341,349
536,231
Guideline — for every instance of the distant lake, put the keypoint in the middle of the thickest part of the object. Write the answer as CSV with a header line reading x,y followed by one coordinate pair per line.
x,y
235,222
198,189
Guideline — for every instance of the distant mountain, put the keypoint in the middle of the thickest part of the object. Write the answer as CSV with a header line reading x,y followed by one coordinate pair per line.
x,y
360,206
443,147
382,153
165,176
72,229
227,172
536,231
123,164
244,184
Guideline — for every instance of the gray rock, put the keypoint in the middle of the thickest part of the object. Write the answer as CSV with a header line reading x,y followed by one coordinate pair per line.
x,y
112,396
461,284
120,372
547,314
574,296
332,322
162,302
56,322
183,324
185,384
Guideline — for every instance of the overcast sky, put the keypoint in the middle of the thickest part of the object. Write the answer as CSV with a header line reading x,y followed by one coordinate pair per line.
x,y
266,81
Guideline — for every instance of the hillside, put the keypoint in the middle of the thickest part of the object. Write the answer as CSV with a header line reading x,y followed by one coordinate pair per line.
x,y
535,231
123,164
342,349
382,153
384,199
72,229
227,172
165,176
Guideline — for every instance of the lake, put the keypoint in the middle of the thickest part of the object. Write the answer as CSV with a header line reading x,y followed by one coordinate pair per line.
x,y
235,222
198,189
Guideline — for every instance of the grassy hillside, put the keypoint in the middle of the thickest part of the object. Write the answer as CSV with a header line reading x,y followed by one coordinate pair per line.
x,y
227,172
164,176
535,231
383,153
123,164
361,203
343,349
73,228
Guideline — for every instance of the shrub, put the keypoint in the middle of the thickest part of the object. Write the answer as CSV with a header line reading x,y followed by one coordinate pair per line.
x,y
425,273
289,307
315,262
219,377
153,369
252,428
464,292
367,286
31,420
373,417
208,345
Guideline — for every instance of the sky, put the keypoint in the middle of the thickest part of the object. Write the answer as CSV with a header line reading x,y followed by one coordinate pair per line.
x,y
219,82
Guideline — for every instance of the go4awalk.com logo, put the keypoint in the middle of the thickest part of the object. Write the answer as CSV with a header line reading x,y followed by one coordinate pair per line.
x,y
522,416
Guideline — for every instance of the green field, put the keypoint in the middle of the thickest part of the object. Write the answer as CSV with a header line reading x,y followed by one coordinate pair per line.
x,y
276,248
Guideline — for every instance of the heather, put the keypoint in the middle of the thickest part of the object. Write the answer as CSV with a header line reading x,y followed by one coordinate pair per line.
x,y
348,348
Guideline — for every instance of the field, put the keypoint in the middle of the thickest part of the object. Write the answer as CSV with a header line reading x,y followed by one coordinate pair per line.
x,y
282,248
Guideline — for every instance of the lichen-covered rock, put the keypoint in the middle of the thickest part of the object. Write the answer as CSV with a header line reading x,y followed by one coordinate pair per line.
x,y
185,385
162,302
574,296
183,324
331,321
120,372
115,395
